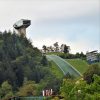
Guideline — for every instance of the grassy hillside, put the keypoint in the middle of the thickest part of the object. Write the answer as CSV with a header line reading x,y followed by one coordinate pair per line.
x,y
55,70
64,66
79,64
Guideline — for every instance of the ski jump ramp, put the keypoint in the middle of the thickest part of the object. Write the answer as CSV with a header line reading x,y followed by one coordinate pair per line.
x,y
64,66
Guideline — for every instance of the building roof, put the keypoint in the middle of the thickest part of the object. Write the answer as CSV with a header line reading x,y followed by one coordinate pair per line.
x,y
95,51
22,23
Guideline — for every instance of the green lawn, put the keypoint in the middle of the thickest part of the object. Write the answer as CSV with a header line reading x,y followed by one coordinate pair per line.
x,y
56,70
79,64
55,53
64,66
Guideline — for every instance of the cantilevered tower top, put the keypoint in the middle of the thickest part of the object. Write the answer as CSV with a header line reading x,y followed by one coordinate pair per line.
x,y
22,23
21,26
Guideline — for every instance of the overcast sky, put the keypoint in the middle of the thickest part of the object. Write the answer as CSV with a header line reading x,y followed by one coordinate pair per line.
x,y
73,22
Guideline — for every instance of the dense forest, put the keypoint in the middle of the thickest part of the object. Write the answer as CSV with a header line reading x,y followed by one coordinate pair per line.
x,y
20,61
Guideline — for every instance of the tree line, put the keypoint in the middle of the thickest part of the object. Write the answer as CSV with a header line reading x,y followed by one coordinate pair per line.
x,y
63,51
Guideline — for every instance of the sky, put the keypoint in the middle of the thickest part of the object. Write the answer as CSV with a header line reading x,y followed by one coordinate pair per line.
x,y
75,23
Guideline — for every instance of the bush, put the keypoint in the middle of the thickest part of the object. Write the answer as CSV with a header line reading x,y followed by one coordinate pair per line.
x,y
93,69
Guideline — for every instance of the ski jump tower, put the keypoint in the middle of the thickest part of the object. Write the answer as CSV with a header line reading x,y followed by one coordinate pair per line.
x,y
21,25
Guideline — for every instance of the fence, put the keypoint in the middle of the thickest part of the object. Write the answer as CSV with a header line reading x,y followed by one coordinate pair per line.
x,y
30,98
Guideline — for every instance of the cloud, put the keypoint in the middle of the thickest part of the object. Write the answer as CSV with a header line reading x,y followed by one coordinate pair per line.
x,y
75,22
47,9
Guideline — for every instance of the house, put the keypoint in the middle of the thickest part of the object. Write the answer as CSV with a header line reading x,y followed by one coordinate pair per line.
x,y
92,57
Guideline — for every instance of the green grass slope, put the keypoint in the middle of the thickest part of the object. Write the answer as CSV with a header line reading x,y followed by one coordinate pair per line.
x,y
79,64
64,66
55,70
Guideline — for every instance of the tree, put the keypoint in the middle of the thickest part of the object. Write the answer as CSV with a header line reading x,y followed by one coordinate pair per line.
x,y
56,46
77,55
80,90
50,81
66,49
93,90
80,55
6,90
51,48
66,88
20,60
44,61
84,91
17,54
28,89
44,48
93,69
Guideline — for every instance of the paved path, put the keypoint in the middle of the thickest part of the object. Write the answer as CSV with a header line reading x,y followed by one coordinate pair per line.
x,y
64,65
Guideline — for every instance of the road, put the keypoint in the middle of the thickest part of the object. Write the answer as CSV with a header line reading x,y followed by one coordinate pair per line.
x,y
64,65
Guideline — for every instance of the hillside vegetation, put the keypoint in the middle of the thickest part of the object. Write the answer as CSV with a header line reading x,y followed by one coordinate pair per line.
x,y
24,71
56,70
19,59
20,62
80,65
65,67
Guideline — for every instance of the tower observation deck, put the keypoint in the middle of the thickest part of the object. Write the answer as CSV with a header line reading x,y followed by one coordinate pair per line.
x,y
21,25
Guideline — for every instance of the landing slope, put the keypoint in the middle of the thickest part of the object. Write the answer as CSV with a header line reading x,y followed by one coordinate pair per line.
x,y
64,66
80,65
